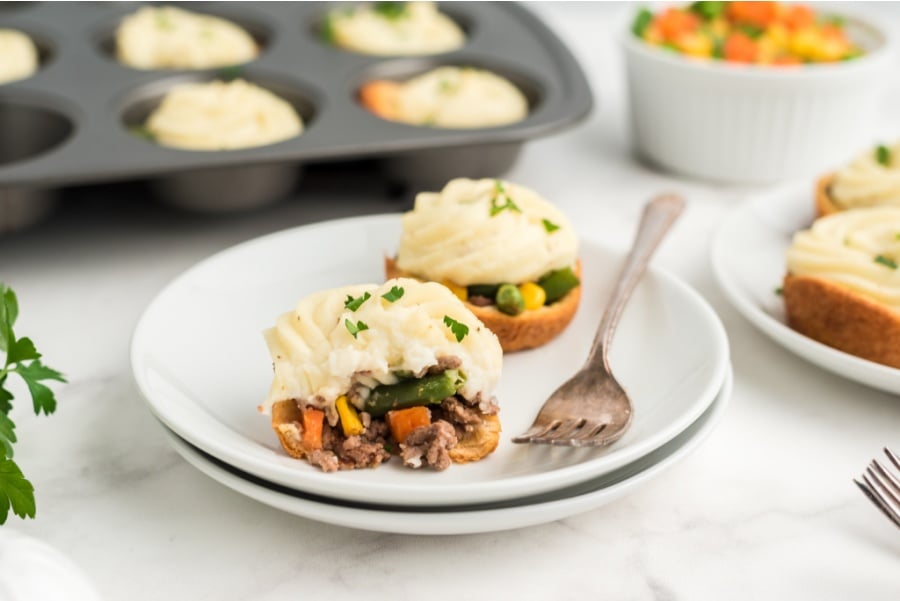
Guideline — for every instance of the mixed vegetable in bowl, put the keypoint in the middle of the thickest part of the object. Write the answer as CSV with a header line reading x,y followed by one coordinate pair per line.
x,y
760,33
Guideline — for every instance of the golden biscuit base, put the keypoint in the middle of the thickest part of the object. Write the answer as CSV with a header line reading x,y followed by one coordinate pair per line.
x,y
842,319
527,330
474,446
824,204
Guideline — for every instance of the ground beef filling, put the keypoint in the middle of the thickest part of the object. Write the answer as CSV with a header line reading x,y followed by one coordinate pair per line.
x,y
428,446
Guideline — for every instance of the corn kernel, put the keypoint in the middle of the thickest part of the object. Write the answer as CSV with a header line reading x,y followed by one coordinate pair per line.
x,y
695,44
533,295
350,421
461,292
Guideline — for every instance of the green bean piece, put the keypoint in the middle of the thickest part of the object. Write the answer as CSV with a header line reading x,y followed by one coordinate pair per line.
x,y
558,283
488,290
509,300
641,22
429,390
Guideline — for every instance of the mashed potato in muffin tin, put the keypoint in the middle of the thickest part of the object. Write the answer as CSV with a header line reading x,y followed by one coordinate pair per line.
x,y
871,179
484,232
221,115
858,249
324,347
19,56
166,37
449,97
393,29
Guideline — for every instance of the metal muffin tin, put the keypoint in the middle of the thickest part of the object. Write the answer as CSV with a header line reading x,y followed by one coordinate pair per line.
x,y
70,122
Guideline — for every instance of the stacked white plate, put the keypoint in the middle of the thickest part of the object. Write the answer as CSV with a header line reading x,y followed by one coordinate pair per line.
x,y
200,361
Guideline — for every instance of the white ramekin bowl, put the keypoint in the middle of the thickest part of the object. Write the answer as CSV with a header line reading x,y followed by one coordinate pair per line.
x,y
752,124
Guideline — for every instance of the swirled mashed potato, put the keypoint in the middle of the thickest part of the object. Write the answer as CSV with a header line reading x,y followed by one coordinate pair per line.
x,y
868,181
222,116
858,249
166,37
485,232
394,29
317,358
458,97
18,56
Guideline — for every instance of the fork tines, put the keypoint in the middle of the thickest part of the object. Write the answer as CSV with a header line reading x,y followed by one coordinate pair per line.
x,y
882,487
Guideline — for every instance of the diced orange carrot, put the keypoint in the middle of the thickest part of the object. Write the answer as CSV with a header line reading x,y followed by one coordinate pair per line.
x,y
403,421
798,16
380,97
760,14
739,48
312,420
672,23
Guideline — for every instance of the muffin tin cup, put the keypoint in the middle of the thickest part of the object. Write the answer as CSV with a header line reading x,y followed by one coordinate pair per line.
x,y
103,99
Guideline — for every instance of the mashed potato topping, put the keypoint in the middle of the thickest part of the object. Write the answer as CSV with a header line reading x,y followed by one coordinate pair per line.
x,y
222,116
459,97
859,249
19,56
868,181
394,28
166,37
485,232
317,357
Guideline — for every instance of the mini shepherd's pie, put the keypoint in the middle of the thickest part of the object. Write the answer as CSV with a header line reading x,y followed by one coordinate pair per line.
x,y
447,97
508,253
843,286
363,373
872,179
393,29
221,115
18,56
166,37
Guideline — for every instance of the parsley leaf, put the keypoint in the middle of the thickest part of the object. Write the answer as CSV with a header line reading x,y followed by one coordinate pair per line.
x,y
886,261
356,328
390,10
550,226
230,73
355,303
459,329
15,492
393,295
23,359
141,131
883,155
501,194
7,436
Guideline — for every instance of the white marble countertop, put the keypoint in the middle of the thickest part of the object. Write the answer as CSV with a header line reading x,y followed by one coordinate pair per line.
x,y
765,509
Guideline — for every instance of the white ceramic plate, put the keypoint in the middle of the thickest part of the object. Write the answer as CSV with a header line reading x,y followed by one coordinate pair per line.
x,y
748,258
538,509
200,361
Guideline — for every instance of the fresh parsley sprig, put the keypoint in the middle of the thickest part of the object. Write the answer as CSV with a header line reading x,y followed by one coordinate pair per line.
x,y
355,328
22,359
355,303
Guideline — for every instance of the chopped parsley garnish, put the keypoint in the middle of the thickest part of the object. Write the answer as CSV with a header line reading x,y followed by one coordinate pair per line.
x,y
459,329
550,226
391,10
500,194
326,31
141,131
886,261
779,291
354,303
355,328
393,295
883,155
448,87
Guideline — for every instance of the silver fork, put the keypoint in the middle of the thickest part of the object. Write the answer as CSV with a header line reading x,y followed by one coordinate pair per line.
x,y
883,487
592,408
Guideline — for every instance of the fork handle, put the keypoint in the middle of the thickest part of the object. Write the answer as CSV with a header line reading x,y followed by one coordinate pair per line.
x,y
659,215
